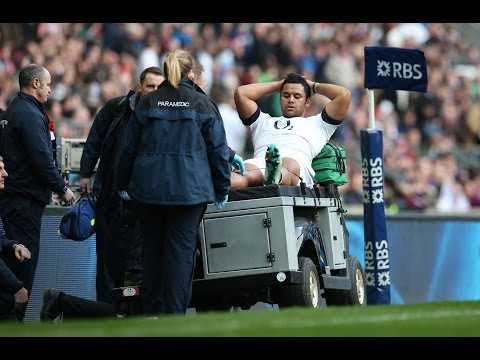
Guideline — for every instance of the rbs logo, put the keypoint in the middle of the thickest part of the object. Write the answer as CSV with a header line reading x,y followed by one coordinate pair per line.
x,y
398,70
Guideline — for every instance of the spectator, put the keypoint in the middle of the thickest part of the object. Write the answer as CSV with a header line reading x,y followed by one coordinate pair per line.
x,y
88,72
27,146
237,133
452,197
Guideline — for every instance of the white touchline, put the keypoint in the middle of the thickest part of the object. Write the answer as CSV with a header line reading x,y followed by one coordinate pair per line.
x,y
311,322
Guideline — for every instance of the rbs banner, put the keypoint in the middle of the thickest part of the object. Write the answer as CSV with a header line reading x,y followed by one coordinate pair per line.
x,y
377,264
395,69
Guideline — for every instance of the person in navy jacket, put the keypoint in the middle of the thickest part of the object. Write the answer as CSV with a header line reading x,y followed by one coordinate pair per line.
x,y
118,244
26,147
174,160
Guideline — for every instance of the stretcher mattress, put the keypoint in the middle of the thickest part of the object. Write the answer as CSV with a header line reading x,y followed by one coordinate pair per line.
x,y
258,192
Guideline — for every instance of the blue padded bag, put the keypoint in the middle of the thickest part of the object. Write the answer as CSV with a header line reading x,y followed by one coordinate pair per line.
x,y
78,223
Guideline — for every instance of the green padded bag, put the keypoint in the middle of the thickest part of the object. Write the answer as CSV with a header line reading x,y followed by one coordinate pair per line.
x,y
330,165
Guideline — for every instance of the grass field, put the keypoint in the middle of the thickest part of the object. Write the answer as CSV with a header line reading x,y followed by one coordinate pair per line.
x,y
437,319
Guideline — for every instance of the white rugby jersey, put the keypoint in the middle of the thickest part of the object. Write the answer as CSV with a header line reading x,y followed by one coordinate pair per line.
x,y
300,138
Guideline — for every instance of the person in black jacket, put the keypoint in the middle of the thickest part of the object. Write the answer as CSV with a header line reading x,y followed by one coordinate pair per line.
x,y
56,302
115,235
174,160
18,295
27,152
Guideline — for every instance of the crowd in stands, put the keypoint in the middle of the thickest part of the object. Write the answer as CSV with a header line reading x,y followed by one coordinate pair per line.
x,y
431,141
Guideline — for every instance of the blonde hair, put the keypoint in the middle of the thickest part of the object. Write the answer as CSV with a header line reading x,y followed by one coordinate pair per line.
x,y
178,64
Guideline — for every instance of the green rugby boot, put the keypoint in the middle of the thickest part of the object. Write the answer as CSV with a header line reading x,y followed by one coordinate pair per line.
x,y
273,161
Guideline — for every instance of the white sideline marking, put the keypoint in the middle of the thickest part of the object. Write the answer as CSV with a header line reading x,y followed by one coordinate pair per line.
x,y
235,325
301,323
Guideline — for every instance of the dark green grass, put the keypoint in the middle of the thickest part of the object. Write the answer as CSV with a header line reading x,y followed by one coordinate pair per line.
x,y
435,319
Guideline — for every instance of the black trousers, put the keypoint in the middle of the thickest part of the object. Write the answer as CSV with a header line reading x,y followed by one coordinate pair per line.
x,y
22,219
170,235
7,312
135,255
76,307
116,240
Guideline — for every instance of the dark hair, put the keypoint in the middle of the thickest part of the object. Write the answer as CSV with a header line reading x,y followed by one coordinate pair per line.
x,y
293,78
29,73
150,70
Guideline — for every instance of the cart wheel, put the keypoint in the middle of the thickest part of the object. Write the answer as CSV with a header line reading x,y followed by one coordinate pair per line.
x,y
306,294
354,296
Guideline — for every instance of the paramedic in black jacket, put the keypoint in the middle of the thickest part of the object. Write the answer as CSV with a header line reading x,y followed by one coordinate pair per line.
x,y
16,294
27,153
174,160
116,239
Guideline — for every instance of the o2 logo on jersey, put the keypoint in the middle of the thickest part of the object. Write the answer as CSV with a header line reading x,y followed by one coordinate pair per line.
x,y
283,124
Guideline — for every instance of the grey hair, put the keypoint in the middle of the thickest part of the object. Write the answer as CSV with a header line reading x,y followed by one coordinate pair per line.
x,y
29,73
